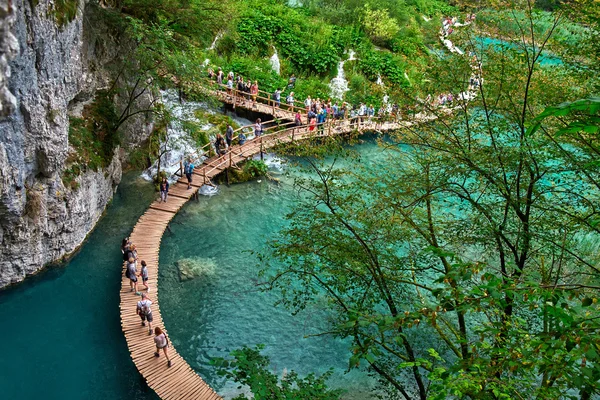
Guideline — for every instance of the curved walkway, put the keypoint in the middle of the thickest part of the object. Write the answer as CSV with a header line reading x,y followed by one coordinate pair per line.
x,y
180,381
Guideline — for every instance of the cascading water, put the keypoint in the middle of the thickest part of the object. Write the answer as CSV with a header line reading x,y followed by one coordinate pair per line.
x,y
339,85
179,144
213,45
275,65
379,80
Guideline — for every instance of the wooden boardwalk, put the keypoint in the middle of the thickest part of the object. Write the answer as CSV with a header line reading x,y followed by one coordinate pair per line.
x,y
180,381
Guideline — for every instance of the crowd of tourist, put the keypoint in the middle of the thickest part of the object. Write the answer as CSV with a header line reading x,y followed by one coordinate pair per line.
x,y
144,305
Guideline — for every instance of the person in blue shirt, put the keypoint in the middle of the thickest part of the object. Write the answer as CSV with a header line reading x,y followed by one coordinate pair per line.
x,y
188,168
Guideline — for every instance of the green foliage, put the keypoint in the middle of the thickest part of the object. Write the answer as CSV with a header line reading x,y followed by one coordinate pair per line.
x,y
93,138
378,24
390,66
255,168
250,368
64,11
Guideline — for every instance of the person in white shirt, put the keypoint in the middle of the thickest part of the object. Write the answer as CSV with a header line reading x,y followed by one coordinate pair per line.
x,y
161,341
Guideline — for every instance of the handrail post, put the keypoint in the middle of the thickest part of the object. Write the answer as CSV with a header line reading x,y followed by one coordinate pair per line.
x,y
261,149
203,176
230,159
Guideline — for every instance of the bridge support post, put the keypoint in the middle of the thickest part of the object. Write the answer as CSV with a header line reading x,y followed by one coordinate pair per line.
x,y
261,149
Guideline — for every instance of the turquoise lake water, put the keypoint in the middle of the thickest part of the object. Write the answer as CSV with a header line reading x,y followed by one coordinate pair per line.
x,y
223,309
61,334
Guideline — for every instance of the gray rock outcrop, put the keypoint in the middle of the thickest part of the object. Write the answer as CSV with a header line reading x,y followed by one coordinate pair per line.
x,y
57,69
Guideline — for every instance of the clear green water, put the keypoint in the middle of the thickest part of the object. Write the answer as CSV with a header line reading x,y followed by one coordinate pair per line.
x,y
60,330
223,309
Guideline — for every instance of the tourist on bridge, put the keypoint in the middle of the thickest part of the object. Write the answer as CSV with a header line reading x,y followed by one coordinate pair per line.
x,y
298,119
164,189
277,97
125,245
308,103
229,135
313,123
144,275
370,112
290,100
145,312
220,75
188,169
254,92
161,341
321,117
132,275
258,128
220,146
229,87
240,89
241,138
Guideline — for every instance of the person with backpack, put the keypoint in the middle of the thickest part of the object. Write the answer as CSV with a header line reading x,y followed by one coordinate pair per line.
x,y
131,273
161,341
164,190
144,275
188,169
145,312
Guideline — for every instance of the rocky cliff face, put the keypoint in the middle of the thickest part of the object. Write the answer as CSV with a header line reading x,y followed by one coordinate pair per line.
x,y
57,68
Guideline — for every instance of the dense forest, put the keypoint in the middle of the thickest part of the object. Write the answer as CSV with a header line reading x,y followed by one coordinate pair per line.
x,y
467,266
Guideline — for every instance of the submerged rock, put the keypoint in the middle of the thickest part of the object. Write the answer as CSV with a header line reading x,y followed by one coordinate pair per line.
x,y
190,268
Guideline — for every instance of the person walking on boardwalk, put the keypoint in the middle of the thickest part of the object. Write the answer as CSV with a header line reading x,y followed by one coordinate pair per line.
x,y
254,92
188,169
258,128
220,146
161,341
144,275
145,312
277,97
164,189
229,135
132,275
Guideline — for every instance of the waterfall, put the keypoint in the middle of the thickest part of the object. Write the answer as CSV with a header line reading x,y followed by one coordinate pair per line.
x,y
339,85
213,45
379,80
275,61
179,143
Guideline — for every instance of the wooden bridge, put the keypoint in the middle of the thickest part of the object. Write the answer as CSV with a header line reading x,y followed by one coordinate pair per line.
x,y
180,381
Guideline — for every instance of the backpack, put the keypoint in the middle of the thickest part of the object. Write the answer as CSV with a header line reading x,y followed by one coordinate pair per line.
x,y
144,307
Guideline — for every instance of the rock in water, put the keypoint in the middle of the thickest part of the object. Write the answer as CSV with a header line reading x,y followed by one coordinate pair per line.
x,y
190,268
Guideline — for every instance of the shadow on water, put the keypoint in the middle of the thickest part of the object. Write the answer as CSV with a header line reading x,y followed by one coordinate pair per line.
x,y
61,333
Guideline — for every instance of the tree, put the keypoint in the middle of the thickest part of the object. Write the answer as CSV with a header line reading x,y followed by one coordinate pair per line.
x,y
250,368
465,265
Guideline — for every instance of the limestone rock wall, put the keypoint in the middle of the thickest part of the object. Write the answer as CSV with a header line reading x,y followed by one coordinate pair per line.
x,y
46,70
